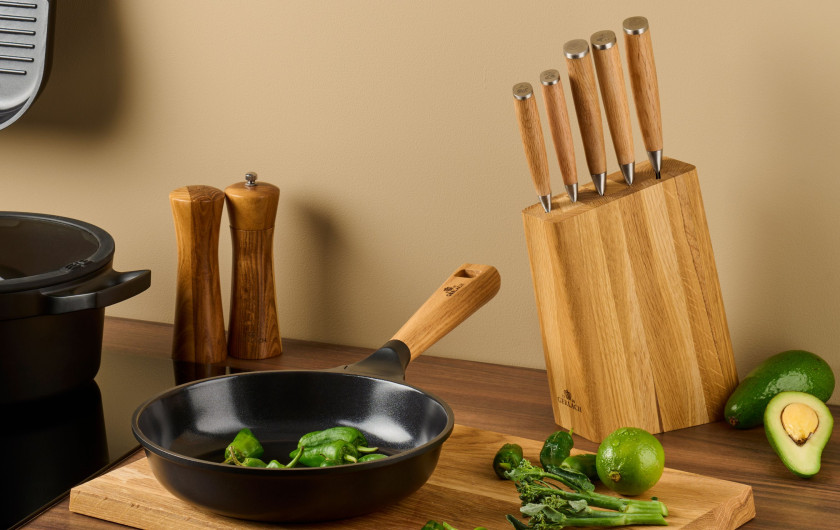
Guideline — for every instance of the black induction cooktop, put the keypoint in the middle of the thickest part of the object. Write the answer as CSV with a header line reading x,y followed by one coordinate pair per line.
x,y
51,445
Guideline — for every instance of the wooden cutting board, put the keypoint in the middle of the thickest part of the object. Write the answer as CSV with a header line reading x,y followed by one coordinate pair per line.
x,y
462,491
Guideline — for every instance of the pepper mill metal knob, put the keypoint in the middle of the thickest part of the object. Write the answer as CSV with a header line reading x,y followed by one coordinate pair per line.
x,y
253,330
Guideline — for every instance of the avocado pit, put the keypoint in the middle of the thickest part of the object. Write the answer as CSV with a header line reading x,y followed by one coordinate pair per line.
x,y
800,422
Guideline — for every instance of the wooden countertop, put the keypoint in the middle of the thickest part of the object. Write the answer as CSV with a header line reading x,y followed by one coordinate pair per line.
x,y
516,401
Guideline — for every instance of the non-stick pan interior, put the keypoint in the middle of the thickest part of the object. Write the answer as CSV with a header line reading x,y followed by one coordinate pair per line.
x,y
184,432
282,406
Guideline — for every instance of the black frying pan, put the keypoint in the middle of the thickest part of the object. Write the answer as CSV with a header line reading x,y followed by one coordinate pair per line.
x,y
184,430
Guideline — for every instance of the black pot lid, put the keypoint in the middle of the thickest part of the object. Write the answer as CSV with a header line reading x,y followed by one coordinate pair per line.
x,y
39,250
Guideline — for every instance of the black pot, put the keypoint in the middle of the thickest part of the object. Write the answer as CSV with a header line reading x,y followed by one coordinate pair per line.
x,y
55,282
61,440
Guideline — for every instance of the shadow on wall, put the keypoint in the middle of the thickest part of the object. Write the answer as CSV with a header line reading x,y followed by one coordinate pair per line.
x,y
318,263
86,83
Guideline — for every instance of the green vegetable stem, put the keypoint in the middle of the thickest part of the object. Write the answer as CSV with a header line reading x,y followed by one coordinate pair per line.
x,y
274,464
550,507
507,457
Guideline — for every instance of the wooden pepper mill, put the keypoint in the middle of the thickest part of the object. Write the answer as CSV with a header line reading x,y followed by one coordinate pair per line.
x,y
199,331
253,332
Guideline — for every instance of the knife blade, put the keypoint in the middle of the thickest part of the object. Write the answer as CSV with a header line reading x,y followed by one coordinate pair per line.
x,y
645,84
561,132
533,141
614,95
585,96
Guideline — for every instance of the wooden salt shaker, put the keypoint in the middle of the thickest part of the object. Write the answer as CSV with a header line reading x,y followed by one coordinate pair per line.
x,y
199,330
253,331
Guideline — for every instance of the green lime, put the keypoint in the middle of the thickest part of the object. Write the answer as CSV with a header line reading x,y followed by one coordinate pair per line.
x,y
630,461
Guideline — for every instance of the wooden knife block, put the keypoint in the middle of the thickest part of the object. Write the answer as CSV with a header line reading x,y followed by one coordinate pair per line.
x,y
633,325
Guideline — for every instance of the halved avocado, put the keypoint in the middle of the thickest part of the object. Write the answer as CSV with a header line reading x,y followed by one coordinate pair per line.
x,y
798,425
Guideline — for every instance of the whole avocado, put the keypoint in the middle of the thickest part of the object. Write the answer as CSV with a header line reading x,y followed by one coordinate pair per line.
x,y
793,370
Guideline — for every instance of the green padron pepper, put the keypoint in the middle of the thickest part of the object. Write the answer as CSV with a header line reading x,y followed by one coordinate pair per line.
x,y
582,463
252,462
350,435
371,457
507,457
556,448
244,445
329,454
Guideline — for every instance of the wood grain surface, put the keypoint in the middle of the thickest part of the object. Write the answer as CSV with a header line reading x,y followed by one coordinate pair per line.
x,y
463,490
627,293
614,94
252,207
588,110
199,334
253,328
533,141
561,131
516,400
462,294
645,84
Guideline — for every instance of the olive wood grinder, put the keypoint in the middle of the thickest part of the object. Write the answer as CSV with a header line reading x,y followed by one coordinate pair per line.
x,y
253,331
199,330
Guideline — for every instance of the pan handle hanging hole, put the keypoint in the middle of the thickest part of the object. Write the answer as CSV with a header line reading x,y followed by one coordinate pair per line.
x,y
466,273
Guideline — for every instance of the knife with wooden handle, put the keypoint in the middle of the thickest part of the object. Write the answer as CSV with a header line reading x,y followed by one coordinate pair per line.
x,y
614,95
533,141
645,85
561,131
585,96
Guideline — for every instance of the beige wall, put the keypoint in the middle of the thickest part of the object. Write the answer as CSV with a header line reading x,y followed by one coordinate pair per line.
x,y
389,128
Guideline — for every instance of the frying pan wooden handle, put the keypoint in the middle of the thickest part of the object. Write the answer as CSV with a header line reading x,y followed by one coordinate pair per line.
x,y
199,330
467,289
643,80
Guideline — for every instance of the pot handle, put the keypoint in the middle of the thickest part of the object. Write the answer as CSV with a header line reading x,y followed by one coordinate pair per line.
x,y
98,292
462,294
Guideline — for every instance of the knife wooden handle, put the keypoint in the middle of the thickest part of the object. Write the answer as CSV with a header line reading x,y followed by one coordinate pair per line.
x,y
199,328
532,136
558,124
462,294
643,80
585,96
253,331
613,93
